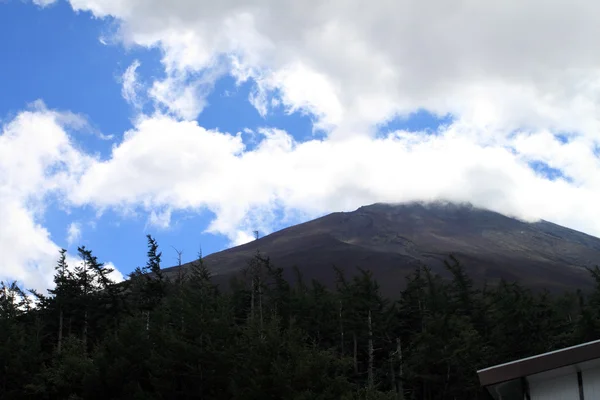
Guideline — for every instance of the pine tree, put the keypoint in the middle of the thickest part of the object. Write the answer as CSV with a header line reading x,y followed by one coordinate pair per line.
x,y
270,338
147,284
20,341
62,292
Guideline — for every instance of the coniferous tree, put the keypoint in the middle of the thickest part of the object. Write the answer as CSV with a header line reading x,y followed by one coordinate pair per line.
x,y
63,292
20,344
147,283
152,338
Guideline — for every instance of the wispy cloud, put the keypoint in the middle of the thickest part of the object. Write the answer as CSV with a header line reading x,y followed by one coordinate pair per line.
x,y
130,86
73,233
43,3
160,219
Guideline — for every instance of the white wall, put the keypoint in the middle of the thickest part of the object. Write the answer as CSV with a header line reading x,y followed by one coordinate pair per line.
x,y
564,387
591,383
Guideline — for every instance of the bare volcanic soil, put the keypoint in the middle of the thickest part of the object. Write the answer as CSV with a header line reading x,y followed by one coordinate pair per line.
x,y
391,240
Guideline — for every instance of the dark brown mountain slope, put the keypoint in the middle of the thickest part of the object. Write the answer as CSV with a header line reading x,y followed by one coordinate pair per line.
x,y
392,239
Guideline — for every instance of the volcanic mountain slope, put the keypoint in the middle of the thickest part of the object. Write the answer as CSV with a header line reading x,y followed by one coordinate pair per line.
x,y
391,240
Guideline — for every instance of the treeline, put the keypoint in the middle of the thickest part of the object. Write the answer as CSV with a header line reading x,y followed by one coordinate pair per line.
x,y
156,338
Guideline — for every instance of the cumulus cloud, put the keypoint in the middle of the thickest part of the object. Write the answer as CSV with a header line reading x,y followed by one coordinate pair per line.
x,y
183,94
241,237
355,63
116,276
38,163
194,168
513,78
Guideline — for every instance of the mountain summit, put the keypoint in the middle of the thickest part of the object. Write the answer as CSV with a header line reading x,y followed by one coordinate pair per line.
x,y
391,240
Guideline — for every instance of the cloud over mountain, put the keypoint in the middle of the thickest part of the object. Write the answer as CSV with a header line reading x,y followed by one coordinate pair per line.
x,y
517,83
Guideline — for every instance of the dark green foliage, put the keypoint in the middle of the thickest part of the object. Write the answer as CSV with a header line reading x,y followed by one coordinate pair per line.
x,y
267,338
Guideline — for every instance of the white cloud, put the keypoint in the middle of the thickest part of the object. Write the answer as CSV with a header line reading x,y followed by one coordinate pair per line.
x,y
183,94
116,275
160,219
192,168
302,90
38,162
43,3
355,63
512,78
240,238
179,98
131,86
74,261
73,233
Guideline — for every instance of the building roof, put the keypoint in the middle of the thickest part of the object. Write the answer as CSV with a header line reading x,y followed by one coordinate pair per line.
x,y
540,363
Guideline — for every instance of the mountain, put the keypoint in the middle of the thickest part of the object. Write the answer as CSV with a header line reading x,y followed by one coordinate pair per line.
x,y
391,240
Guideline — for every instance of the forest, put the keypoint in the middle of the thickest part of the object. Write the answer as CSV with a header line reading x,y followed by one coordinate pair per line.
x,y
263,337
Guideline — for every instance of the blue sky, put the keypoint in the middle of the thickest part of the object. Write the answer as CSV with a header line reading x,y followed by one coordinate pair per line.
x,y
322,129
56,55
63,62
